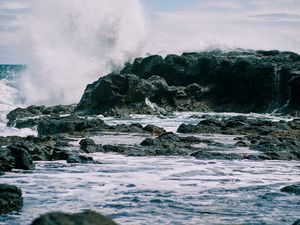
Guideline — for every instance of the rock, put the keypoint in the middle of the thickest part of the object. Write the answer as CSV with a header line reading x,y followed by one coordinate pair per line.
x,y
131,128
76,158
115,148
21,157
20,113
297,222
89,146
292,189
10,199
84,218
154,130
295,92
69,124
71,157
6,161
169,144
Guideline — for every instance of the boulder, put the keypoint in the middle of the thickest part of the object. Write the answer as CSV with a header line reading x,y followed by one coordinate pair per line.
x,y
21,158
89,146
10,199
154,130
84,218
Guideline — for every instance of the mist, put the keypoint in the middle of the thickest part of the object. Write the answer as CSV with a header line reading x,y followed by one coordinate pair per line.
x,y
73,43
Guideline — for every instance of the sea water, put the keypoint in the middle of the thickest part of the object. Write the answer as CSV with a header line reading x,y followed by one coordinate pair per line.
x,y
165,190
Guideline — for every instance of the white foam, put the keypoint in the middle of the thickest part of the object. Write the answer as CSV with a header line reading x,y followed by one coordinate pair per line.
x,y
73,43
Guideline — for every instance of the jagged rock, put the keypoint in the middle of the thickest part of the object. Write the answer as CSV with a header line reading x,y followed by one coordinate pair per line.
x,y
169,144
275,140
21,157
69,124
84,218
71,157
10,199
17,115
6,161
292,189
295,92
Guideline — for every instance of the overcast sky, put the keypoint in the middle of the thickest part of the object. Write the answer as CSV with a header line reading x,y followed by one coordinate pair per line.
x,y
182,25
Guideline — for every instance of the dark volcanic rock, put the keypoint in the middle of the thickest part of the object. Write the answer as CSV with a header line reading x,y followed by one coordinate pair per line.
x,y
238,81
113,91
21,157
295,92
69,124
71,157
16,116
293,189
84,218
10,199
297,222
170,144
276,140
6,161
154,129
89,146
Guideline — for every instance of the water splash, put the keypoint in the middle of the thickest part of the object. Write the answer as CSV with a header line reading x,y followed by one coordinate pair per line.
x,y
72,43
275,104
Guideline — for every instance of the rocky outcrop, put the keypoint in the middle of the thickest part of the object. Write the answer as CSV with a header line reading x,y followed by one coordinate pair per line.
x,y
84,218
10,199
69,124
16,116
276,140
237,81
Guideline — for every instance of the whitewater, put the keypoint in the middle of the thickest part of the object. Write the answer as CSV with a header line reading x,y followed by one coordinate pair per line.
x,y
89,39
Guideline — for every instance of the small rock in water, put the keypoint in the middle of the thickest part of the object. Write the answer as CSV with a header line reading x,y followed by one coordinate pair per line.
x,y
84,218
292,189
10,198
89,146
297,222
154,130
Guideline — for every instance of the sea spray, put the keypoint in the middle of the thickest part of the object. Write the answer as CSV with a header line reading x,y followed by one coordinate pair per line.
x,y
72,43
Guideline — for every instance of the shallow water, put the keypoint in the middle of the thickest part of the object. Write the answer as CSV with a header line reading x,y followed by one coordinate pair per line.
x,y
166,190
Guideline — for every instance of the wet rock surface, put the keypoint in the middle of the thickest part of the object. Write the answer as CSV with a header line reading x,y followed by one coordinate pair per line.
x,y
292,189
276,140
16,116
297,222
10,199
84,218
237,81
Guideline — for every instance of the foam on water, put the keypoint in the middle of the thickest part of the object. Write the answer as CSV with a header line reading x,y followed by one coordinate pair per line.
x,y
10,99
165,190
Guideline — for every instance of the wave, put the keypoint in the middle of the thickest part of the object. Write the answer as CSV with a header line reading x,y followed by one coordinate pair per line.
x,y
83,41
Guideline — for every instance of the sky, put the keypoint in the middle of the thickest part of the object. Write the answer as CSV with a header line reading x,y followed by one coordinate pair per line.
x,y
186,25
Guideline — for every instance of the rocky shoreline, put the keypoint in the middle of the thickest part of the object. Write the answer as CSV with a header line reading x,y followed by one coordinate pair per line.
x,y
241,81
